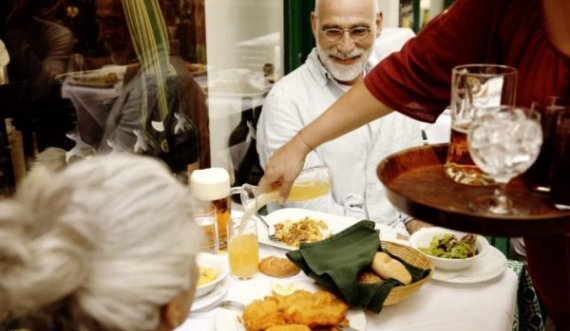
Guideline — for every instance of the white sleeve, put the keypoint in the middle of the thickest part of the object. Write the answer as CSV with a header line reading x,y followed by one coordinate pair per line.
x,y
280,120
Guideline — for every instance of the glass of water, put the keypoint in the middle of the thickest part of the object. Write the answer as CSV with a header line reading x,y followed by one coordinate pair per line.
x,y
504,143
205,217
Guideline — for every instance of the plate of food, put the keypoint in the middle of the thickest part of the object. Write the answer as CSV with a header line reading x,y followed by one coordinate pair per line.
x,y
491,265
294,226
307,306
459,257
197,69
105,77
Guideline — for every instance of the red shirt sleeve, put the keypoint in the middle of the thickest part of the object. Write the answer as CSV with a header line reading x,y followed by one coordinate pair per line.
x,y
417,80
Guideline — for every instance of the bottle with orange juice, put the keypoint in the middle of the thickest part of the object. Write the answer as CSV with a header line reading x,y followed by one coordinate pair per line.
x,y
311,183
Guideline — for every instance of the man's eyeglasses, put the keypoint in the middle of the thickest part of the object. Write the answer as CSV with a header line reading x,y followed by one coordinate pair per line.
x,y
357,34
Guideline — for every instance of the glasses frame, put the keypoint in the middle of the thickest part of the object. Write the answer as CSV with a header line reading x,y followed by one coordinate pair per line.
x,y
351,32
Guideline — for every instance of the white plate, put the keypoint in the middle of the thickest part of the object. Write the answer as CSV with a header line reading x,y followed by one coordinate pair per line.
x,y
489,266
336,224
211,299
228,319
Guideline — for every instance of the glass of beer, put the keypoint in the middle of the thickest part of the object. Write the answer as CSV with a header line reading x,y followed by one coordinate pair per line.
x,y
311,183
475,88
243,248
212,186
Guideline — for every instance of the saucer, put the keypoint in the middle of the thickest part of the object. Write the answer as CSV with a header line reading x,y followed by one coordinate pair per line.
x,y
489,266
211,299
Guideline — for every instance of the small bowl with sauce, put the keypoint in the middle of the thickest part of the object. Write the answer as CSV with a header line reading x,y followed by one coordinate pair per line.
x,y
213,270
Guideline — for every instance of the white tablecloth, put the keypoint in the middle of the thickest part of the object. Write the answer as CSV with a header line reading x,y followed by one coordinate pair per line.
x,y
436,306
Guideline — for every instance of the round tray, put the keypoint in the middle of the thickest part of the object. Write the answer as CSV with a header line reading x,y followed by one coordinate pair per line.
x,y
416,184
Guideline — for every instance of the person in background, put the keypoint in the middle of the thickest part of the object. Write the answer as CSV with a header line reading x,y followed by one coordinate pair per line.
x,y
107,243
531,35
40,49
161,111
345,32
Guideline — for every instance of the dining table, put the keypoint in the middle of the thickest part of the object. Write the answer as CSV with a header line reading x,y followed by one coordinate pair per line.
x,y
489,304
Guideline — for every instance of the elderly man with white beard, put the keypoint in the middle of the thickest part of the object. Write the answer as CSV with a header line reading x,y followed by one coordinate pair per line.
x,y
345,31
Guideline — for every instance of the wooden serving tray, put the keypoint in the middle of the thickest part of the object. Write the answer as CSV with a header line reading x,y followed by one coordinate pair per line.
x,y
416,184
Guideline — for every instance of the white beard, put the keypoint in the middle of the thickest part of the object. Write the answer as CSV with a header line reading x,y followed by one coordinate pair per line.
x,y
341,72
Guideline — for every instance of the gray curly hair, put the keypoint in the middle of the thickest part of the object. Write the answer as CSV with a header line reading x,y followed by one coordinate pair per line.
x,y
101,245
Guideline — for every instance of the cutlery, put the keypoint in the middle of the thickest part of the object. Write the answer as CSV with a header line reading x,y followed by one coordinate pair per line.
x,y
238,306
234,305
270,229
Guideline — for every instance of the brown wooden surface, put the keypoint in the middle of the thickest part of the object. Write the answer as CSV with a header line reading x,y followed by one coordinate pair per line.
x,y
416,184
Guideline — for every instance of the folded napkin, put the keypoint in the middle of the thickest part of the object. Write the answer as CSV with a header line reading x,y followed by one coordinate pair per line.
x,y
335,263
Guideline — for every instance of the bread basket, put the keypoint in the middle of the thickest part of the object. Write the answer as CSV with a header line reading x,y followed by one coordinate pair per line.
x,y
413,257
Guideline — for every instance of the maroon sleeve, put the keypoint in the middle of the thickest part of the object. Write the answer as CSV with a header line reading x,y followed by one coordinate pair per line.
x,y
417,80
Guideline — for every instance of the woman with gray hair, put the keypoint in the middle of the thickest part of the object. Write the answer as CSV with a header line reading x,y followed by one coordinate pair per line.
x,y
108,243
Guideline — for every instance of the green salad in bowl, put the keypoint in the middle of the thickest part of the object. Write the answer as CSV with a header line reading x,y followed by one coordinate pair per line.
x,y
449,249
447,245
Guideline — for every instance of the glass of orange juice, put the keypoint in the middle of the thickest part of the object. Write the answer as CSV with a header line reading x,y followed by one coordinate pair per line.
x,y
243,248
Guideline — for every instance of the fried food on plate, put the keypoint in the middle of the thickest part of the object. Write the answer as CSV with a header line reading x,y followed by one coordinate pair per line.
x,y
289,327
278,267
315,310
262,314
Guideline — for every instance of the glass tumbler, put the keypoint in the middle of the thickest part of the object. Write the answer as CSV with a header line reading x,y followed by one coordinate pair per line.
x,y
243,248
205,217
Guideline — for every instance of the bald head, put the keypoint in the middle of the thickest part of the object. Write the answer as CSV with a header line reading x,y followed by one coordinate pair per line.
x,y
323,4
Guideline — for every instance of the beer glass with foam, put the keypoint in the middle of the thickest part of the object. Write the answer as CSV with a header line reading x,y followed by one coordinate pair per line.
x,y
475,88
212,186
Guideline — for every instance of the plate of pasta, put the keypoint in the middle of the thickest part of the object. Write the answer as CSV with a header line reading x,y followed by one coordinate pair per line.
x,y
294,226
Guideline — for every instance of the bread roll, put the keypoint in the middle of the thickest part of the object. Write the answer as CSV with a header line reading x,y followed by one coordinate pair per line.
x,y
387,267
369,277
278,267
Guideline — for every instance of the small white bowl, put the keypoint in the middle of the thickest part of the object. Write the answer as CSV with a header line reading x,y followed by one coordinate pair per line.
x,y
218,263
423,237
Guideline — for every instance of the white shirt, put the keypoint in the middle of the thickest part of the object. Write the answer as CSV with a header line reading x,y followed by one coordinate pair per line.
x,y
300,97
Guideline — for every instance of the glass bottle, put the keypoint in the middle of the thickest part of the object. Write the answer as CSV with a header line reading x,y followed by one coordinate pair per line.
x,y
311,183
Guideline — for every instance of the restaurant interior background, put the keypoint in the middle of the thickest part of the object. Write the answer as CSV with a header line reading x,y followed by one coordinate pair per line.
x,y
236,50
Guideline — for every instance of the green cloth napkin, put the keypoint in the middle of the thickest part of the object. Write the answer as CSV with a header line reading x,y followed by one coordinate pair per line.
x,y
335,263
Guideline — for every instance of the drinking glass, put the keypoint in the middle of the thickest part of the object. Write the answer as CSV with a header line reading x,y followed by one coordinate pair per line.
x,y
504,143
475,87
205,217
560,193
539,176
243,248
212,186
311,183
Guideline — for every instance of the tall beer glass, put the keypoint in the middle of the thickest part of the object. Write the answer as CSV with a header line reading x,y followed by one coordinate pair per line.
x,y
475,88
212,186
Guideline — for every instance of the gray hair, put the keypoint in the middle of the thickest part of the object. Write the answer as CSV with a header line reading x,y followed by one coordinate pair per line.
x,y
107,241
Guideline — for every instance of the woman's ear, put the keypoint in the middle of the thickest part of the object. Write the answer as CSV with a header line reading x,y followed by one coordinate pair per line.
x,y
171,316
